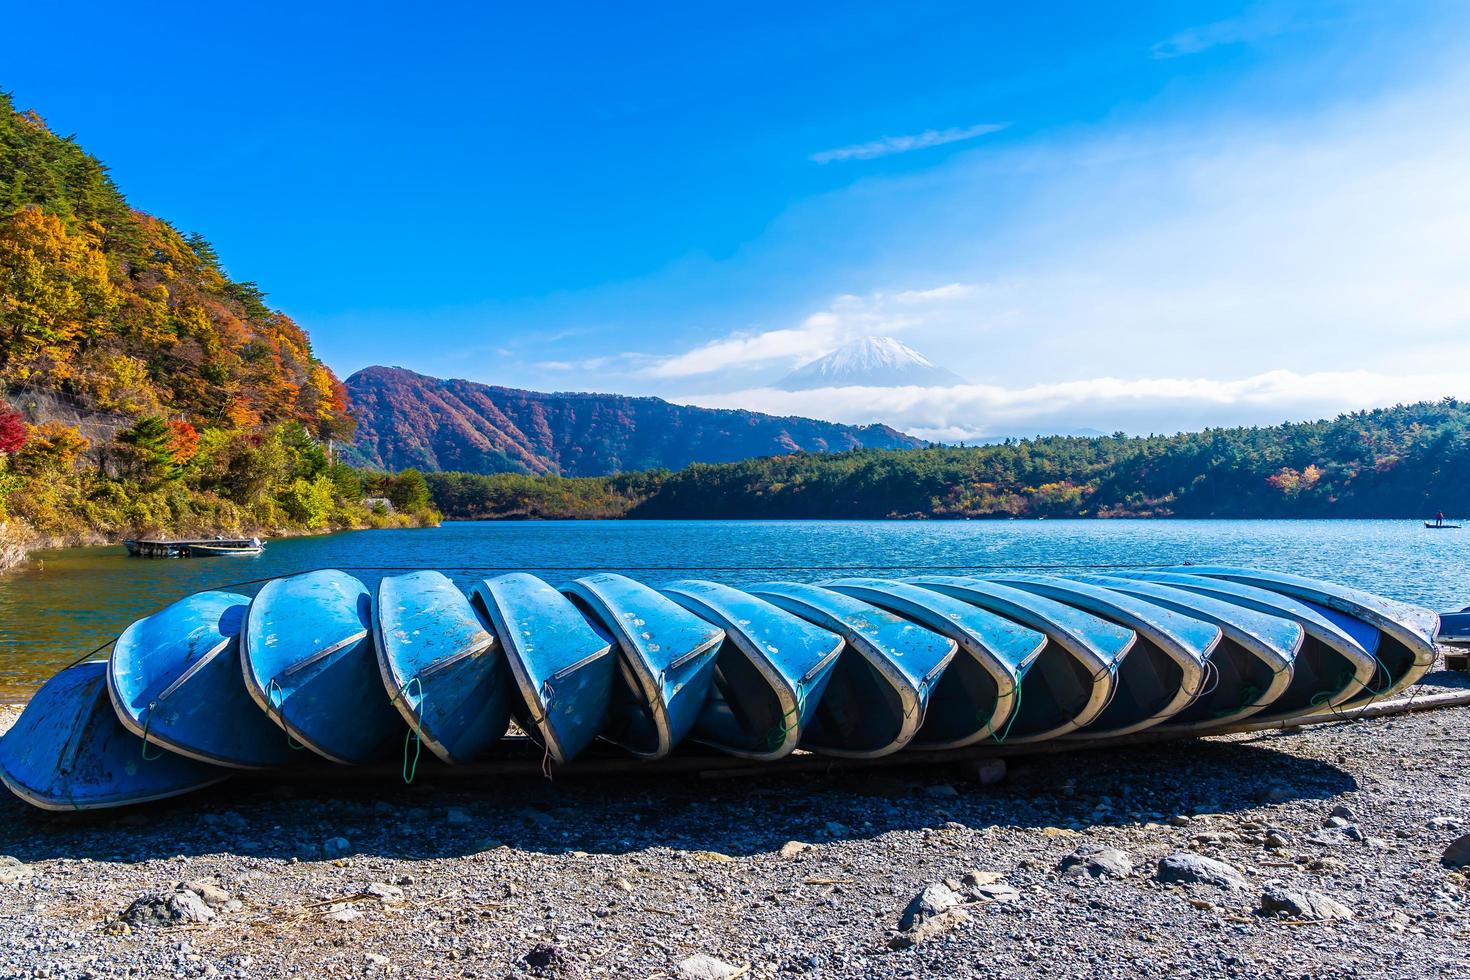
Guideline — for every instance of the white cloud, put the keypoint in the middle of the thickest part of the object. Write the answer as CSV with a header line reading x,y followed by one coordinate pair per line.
x,y
846,318
1258,25
889,145
969,412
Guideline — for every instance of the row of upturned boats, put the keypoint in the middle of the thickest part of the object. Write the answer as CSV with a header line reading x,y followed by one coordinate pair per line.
x,y
317,665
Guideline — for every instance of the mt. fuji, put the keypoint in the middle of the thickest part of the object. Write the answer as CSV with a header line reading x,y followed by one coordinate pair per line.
x,y
874,362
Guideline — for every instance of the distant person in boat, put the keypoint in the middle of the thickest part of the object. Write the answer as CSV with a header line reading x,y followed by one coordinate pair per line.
x,y
1439,518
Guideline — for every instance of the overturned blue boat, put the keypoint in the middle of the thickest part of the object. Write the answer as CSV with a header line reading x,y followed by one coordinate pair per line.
x,y
560,665
69,751
666,661
441,665
770,673
309,664
175,680
878,695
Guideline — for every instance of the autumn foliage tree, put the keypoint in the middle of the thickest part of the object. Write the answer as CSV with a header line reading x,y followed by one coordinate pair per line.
x,y
12,431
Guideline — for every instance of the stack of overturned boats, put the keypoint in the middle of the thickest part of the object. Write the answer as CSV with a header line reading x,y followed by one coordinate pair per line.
x,y
317,667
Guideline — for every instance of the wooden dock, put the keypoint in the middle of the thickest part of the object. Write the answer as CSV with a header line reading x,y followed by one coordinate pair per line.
x,y
161,548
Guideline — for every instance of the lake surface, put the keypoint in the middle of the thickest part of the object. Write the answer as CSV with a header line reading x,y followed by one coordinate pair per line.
x,y
80,598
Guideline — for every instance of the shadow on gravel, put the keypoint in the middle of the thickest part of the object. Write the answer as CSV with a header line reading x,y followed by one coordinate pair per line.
x,y
1458,679
445,817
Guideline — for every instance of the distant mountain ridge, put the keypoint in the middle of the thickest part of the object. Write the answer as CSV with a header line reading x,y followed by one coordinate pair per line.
x,y
874,362
406,419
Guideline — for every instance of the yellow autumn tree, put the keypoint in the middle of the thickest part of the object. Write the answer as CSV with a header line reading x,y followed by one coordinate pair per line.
x,y
55,294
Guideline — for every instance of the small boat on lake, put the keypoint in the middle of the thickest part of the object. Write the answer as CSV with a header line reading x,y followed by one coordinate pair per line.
x,y
560,665
1406,646
309,663
69,751
1165,671
1076,675
879,692
225,550
442,667
1260,649
666,661
977,694
175,679
770,673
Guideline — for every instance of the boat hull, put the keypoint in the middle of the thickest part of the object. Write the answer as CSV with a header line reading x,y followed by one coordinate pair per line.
x,y
443,669
666,661
560,664
309,663
770,673
69,751
175,679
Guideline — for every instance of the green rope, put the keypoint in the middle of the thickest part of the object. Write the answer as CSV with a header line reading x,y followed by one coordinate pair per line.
x,y
777,736
414,734
147,723
271,690
1015,710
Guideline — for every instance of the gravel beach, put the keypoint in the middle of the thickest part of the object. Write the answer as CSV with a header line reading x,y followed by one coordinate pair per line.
x,y
1315,853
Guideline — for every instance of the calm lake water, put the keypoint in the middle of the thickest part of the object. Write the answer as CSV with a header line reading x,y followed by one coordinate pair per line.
x,y
78,599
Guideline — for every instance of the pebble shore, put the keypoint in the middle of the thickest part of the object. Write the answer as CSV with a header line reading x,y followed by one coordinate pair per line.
x,y
1325,852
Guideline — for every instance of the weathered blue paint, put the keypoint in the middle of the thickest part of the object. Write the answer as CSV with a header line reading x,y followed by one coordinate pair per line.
x,y
175,680
561,665
1340,650
69,751
1273,640
976,695
879,692
770,673
309,662
1407,651
1162,675
1077,674
443,668
666,661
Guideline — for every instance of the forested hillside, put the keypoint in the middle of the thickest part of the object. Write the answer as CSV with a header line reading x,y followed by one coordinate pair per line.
x,y
412,420
144,389
1406,461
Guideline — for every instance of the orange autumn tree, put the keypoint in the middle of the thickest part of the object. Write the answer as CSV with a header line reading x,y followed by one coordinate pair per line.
x,y
55,294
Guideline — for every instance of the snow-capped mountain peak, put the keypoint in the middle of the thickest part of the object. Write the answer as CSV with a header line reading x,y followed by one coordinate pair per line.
x,y
875,362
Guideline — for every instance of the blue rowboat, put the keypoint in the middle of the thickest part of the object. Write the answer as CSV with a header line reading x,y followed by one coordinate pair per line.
x,y
444,670
1166,669
666,661
1406,646
175,680
1337,662
976,695
879,693
69,751
770,673
1076,675
309,664
1260,650
561,665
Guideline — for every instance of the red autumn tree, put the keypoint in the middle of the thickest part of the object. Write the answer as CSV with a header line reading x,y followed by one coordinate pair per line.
x,y
12,430
183,441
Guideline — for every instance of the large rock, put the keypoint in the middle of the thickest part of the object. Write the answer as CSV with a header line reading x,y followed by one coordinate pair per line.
x,y
162,911
1098,862
936,925
928,903
702,967
1302,904
1192,869
13,871
1457,855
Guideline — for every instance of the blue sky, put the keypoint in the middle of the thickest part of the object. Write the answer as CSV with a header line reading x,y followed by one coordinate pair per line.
x,y
1140,216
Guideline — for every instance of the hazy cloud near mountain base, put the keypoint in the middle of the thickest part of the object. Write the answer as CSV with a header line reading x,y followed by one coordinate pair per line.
x,y
971,412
